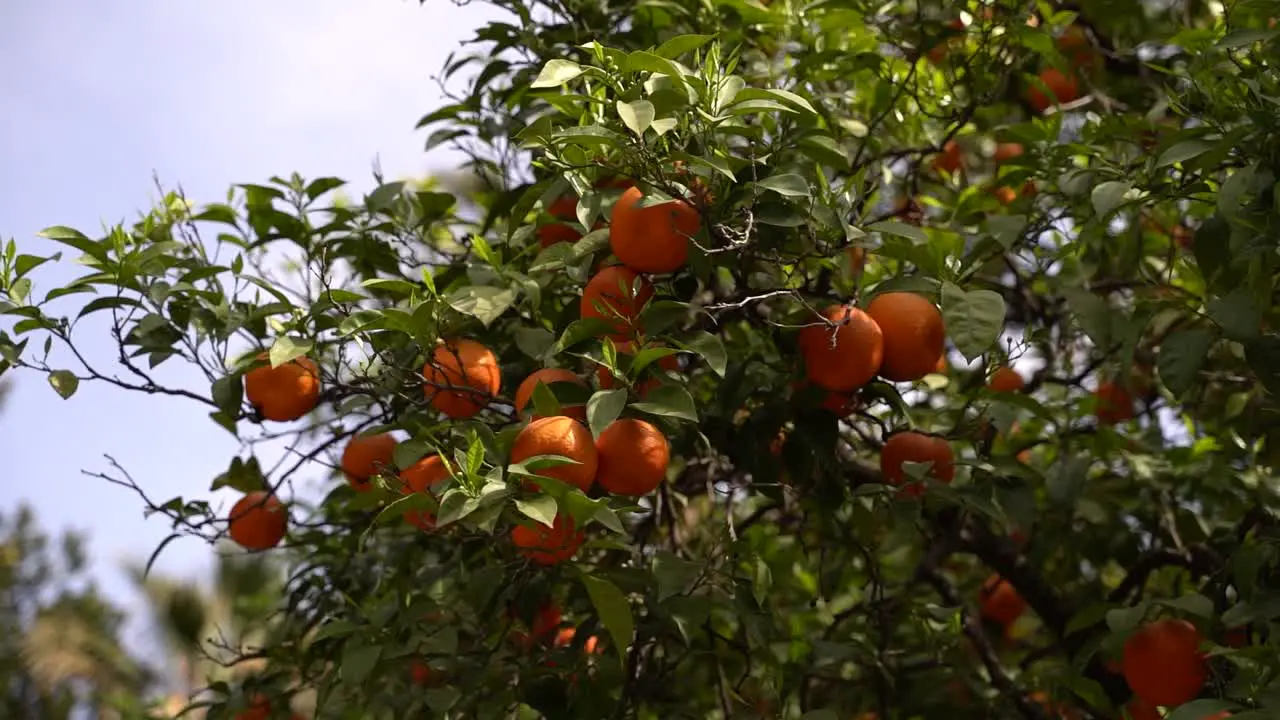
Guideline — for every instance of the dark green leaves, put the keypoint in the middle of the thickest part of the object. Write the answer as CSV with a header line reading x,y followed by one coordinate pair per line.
x,y
482,302
669,401
974,319
1181,356
227,392
604,407
711,348
786,184
1108,196
615,614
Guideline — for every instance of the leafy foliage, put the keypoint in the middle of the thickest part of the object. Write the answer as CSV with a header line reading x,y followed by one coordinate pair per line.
x,y
834,151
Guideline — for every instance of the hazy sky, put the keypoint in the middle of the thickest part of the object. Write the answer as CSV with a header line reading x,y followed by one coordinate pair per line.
x,y
94,98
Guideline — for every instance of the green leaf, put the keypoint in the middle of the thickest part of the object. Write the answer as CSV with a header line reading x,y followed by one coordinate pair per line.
x,y
711,348
1263,356
823,714
784,96
1108,196
441,699
1262,608
669,401
227,391
1183,151
286,349
1006,229
482,302
1193,604
1237,314
681,44
604,407
636,115
64,382
1181,356
642,60
903,230
786,184
579,331
358,661
556,73
77,240
974,319
1092,313
1124,619
615,614
1201,709
673,574
541,509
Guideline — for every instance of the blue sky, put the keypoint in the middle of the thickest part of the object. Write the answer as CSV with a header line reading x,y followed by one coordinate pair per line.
x,y
94,98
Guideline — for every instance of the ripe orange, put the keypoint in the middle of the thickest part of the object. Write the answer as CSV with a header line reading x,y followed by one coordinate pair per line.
x,y
552,233
916,447
559,435
547,376
259,709
1006,379
1074,44
1163,664
548,545
564,638
419,673
546,621
366,456
257,521
941,367
914,336
857,258
1006,152
939,52
856,355
634,456
1064,87
284,393
421,477
607,381
462,378
950,159
616,294
1000,602
652,239
565,207
1114,404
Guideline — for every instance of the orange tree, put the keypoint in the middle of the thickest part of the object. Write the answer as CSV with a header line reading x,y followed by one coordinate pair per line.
x,y
888,360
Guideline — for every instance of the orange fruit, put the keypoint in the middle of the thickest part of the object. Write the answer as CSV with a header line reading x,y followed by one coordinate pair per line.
x,y
1163,664
1183,236
462,377
546,621
1006,152
559,435
257,521
552,233
607,381
939,52
365,456
1074,44
652,239
1236,637
914,336
259,709
1000,602
419,672
1114,404
857,258
564,638
950,159
548,545
547,376
565,207
1006,379
616,294
941,367
421,477
854,358
284,393
916,447
634,456
1064,87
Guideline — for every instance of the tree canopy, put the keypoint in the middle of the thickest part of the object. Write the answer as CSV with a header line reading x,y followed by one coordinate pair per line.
x,y
785,359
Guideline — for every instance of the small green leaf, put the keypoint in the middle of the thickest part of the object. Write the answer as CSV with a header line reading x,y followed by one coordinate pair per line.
x,y
681,44
64,382
900,229
556,73
1201,709
1237,314
784,96
1006,229
786,184
1092,313
1183,151
1193,604
1108,196
358,661
541,509
482,302
604,407
1181,356
615,614
1124,619
286,349
580,331
711,348
673,574
669,401
636,115
441,699
227,391
974,320
1265,607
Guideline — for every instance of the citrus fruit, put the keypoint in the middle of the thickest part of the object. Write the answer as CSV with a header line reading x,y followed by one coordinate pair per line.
x,y
283,393
421,477
462,377
616,294
914,335
558,435
1064,88
999,601
1113,404
548,545
950,159
1163,664
653,238
634,456
1139,710
365,456
854,357
1006,152
257,521
916,447
547,376
1006,379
